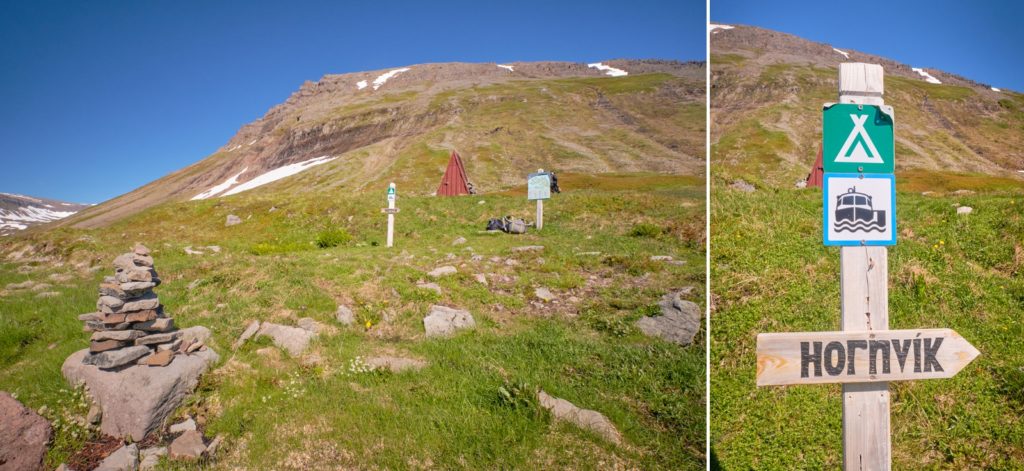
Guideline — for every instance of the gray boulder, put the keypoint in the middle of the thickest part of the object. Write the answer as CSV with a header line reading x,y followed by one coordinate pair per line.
x,y
188,446
678,323
24,435
293,339
195,334
345,315
136,400
443,321
125,458
232,220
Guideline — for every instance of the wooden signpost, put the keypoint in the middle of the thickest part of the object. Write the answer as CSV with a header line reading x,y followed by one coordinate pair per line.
x,y
538,187
391,210
859,215
860,357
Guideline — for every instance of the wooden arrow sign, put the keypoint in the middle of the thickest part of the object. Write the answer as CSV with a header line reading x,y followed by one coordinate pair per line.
x,y
860,357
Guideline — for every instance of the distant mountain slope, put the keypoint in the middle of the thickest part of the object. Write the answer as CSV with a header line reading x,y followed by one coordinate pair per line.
x,y
767,89
19,212
360,130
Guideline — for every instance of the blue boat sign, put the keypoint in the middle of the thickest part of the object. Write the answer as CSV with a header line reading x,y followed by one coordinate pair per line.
x,y
859,209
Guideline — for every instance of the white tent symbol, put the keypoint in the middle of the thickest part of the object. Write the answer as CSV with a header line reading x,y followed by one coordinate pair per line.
x,y
859,154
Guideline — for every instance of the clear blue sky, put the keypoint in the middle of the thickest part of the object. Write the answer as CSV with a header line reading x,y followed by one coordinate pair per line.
x,y
101,97
980,40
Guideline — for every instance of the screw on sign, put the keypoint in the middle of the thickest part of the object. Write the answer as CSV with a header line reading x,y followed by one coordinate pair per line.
x,y
859,214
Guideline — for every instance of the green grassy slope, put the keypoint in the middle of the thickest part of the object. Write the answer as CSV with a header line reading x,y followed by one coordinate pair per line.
x,y
766,124
638,123
771,273
321,410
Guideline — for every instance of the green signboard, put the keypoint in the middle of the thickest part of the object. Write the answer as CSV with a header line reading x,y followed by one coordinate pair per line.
x,y
858,139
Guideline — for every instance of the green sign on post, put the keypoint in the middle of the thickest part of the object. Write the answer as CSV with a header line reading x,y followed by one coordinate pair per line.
x,y
858,139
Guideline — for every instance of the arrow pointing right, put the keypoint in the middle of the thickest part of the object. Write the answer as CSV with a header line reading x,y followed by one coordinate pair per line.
x,y
860,357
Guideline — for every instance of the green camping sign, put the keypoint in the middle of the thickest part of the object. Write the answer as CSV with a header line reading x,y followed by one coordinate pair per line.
x,y
858,139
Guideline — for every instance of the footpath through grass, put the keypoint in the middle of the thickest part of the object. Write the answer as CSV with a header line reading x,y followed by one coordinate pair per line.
x,y
771,273
324,410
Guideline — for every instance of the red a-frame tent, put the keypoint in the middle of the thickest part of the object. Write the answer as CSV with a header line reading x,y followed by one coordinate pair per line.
x,y
454,181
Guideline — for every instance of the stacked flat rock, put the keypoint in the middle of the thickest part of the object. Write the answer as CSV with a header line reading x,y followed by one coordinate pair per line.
x,y
130,326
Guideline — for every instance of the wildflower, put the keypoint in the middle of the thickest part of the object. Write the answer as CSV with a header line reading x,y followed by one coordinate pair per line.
x,y
368,324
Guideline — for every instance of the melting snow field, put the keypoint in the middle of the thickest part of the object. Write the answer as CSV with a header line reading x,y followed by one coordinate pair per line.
x,y
713,27
19,219
361,84
927,77
507,67
277,174
994,89
383,78
608,70
844,53
219,188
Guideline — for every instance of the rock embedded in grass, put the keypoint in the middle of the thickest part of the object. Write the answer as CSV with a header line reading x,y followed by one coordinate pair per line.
x,y
587,419
247,334
293,339
442,271
443,321
964,210
232,220
184,426
151,457
544,294
678,323
125,458
188,446
344,315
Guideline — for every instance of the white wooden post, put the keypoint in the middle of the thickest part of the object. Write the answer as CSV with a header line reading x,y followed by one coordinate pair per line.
x,y
391,214
540,208
864,289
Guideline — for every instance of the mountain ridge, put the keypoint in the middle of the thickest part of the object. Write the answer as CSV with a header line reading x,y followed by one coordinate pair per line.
x,y
399,123
767,88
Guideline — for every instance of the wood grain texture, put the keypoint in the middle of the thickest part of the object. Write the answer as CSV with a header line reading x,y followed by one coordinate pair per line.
x,y
864,291
860,356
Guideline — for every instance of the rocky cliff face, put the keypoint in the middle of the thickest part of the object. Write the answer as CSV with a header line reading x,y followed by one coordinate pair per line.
x,y
359,129
19,212
767,89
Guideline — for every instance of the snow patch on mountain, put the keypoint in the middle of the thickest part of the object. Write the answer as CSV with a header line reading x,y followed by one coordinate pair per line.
x,y
383,78
994,89
713,27
220,187
608,70
507,67
278,173
927,77
19,212
361,84
844,53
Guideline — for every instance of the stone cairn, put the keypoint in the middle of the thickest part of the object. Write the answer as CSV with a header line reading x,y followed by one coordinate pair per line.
x,y
130,326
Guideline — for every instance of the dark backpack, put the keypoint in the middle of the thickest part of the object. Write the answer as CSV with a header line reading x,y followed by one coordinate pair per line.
x,y
496,225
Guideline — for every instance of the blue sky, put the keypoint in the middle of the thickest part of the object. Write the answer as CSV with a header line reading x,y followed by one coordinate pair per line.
x,y
980,40
102,97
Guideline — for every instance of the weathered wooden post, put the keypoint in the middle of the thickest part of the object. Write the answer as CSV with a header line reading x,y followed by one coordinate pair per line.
x,y
858,155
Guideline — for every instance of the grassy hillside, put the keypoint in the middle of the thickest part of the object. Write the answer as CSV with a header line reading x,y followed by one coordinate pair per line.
x,y
766,114
638,123
771,273
322,410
